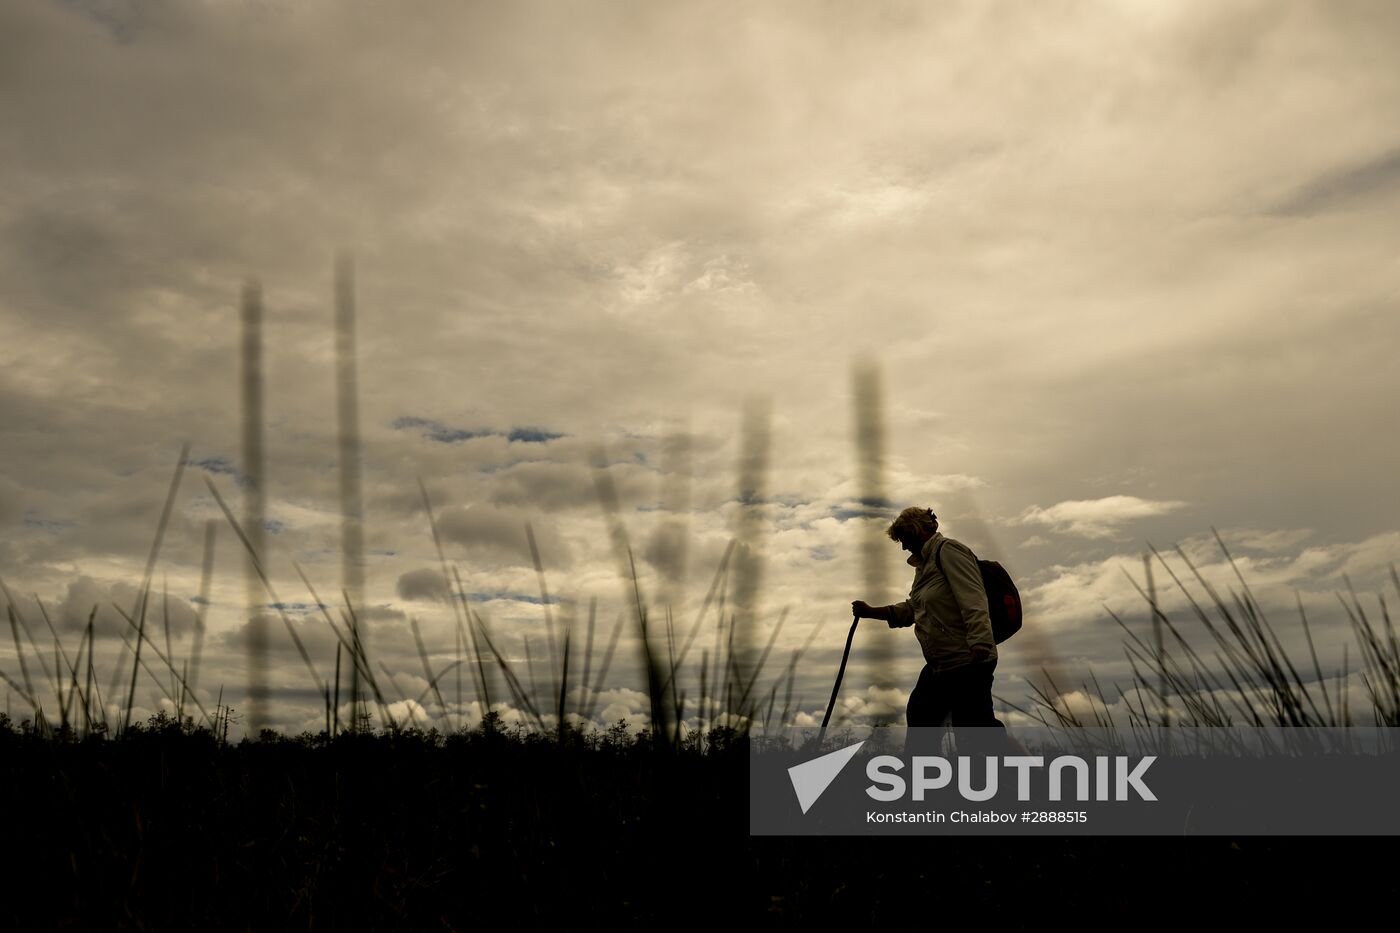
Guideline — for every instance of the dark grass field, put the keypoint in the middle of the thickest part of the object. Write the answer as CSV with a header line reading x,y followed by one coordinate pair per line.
x,y
159,826
168,829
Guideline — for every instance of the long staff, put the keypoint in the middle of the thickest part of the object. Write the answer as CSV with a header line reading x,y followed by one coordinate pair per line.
x,y
841,673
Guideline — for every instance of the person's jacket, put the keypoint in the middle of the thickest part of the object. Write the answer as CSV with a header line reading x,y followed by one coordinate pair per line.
x,y
948,609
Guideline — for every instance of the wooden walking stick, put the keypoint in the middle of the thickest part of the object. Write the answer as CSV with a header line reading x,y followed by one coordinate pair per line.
x,y
839,674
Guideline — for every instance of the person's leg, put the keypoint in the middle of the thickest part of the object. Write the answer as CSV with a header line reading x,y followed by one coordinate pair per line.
x,y
971,702
971,709
923,702
928,708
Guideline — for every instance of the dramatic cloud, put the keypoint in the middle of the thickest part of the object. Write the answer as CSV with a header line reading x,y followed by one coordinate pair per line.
x,y
498,535
109,605
1096,518
423,584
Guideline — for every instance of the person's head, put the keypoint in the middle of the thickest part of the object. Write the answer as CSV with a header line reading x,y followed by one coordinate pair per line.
x,y
913,528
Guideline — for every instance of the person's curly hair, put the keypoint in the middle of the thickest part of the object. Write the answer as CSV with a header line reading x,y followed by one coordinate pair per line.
x,y
920,521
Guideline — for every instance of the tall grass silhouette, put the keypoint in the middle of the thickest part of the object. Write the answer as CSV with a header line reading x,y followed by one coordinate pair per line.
x,y
1253,680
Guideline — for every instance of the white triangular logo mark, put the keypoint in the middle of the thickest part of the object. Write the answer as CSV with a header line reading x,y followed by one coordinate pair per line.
x,y
811,778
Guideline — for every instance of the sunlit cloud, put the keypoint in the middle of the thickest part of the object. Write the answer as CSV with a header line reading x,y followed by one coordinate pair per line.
x,y
1096,518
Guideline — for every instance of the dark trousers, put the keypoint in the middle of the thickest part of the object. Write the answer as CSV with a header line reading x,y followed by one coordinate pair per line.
x,y
962,695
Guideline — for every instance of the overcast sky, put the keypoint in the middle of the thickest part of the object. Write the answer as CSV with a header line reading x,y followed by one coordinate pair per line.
x,y
1128,272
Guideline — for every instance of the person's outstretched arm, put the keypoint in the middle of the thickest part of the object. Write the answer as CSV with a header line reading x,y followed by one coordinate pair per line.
x,y
900,615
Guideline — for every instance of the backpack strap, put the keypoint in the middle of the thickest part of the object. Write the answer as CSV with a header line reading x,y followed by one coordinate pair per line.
x,y
938,562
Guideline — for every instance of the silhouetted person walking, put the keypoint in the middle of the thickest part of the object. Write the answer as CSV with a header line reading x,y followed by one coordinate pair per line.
x,y
947,606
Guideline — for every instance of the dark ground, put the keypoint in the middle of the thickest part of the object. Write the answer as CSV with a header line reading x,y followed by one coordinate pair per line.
x,y
165,830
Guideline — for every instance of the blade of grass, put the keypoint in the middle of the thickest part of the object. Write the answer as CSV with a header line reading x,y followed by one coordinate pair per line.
x,y
544,604
603,669
151,559
141,635
206,577
427,669
478,672
277,603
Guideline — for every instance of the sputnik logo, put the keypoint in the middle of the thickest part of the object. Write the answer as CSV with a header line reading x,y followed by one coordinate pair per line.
x,y
811,778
